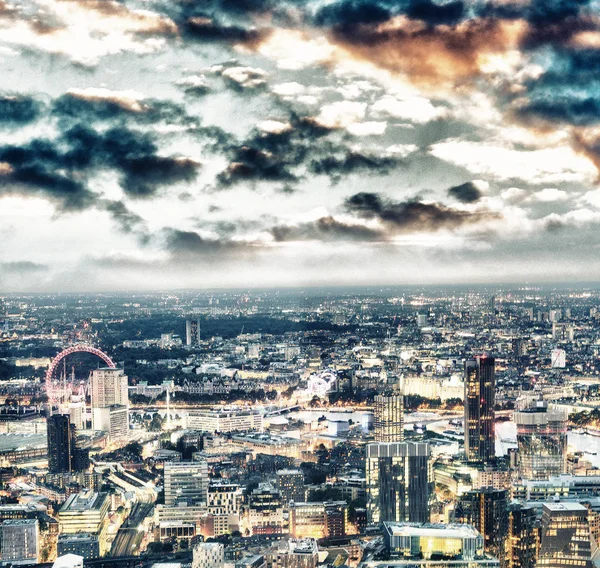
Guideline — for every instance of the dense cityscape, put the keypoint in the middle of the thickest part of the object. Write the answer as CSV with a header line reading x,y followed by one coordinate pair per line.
x,y
384,427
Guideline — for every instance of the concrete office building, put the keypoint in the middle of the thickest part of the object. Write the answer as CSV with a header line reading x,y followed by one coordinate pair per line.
x,y
265,510
85,512
399,482
318,520
480,384
20,541
186,482
389,417
112,419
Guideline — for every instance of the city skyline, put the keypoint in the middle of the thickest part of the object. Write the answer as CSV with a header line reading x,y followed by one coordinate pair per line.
x,y
168,144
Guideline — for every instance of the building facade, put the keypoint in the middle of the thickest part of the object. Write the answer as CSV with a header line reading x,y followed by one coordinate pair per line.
x,y
389,417
192,332
480,384
565,536
61,443
186,482
208,555
542,440
487,510
399,482
290,483
20,541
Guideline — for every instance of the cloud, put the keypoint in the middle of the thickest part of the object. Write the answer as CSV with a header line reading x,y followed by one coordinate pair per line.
x,y
245,78
208,29
415,109
93,104
326,229
128,221
60,169
341,114
189,245
371,128
412,215
550,194
465,193
22,267
85,30
336,166
38,168
16,109
535,166
126,100
426,53
194,85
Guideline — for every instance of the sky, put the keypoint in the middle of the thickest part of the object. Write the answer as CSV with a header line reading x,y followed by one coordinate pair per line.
x,y
166,144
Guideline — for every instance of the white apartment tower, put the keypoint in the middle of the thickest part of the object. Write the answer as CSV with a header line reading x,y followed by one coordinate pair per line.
x,y
109,389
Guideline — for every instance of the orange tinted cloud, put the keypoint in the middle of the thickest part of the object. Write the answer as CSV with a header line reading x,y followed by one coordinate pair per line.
x,y
427,54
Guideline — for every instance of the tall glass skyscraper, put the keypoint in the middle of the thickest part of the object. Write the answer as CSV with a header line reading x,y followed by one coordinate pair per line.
x,y
487,510
389,417
542,440
61,443
480,384
399,482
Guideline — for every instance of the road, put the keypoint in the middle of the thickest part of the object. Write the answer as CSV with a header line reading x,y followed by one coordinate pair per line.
x,y
128,539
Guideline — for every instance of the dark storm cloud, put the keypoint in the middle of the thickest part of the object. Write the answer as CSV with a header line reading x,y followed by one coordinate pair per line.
x,y
303,148
272,156
412,214
337,166
60,169
252,164
39,168
128,221
18,109
326,229
80,107
350,13
567,92
189,244
22,267
207,29
568,109
465,193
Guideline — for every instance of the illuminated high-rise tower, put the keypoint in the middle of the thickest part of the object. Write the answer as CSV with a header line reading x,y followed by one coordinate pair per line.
x,y
61,443
389,417
480,384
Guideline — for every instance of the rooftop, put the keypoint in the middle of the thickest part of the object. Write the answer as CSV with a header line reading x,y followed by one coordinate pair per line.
x,y
564,506
450,530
